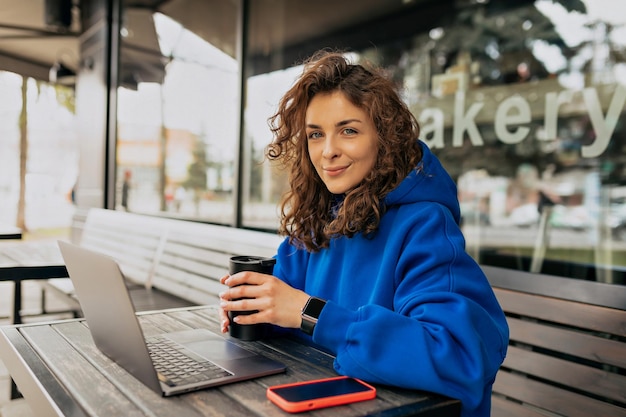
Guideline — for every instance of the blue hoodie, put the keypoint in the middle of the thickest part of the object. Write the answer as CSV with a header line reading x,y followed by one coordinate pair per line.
x,y
407,306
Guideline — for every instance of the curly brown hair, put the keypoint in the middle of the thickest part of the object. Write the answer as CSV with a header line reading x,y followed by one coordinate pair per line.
x,y
310,215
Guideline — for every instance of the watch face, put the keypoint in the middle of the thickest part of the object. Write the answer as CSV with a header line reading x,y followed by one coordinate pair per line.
x,y
314,307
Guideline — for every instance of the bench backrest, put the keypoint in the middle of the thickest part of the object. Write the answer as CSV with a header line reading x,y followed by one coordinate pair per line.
x,y
182,258
195,256
567,350
131,239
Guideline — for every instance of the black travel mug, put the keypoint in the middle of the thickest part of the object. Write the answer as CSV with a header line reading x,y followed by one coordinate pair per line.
x,y
256,264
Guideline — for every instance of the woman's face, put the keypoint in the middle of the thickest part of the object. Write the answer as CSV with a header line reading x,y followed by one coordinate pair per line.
x,y
342,141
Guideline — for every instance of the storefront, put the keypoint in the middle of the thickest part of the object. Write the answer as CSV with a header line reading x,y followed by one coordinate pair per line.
x,y
523,101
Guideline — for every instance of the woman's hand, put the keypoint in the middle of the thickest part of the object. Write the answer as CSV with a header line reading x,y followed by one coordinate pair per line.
x,y
275,301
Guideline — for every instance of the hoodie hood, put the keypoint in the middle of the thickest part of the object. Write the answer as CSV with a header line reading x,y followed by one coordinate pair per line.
x,y
429,182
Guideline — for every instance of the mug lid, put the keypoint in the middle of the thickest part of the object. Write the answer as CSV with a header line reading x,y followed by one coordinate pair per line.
x,y
253,260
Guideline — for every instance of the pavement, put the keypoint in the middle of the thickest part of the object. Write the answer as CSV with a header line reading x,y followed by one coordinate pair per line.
x,y
31,301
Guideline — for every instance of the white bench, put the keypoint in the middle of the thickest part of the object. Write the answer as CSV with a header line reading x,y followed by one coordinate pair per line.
x,y
180,258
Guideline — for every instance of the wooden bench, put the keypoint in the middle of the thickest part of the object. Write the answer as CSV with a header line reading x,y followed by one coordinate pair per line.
x,y
163,257
567,350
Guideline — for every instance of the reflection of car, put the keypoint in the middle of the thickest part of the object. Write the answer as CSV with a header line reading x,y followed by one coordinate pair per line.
x,y
525,215
619,232
617,219
575,217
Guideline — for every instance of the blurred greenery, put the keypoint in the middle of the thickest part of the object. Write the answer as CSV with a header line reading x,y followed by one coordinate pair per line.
x,y
566,255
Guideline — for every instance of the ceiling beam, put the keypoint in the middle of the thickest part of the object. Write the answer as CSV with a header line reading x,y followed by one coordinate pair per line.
x,y
36,70
39,31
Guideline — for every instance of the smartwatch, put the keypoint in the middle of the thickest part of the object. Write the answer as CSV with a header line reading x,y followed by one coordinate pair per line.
x,y
310,314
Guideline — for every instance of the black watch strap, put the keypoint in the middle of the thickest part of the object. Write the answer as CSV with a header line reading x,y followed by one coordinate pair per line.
x,y
310,314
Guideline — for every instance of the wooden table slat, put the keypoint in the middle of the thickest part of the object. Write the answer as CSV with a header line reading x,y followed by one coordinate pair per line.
x,y
34,375
95,393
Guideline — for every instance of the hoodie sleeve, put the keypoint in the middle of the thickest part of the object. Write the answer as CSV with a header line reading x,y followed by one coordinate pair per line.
x,y
446,332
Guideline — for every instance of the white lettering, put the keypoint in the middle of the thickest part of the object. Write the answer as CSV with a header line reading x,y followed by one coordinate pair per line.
x,y
604,127
431,127
553,103
505,116
463,122
515,111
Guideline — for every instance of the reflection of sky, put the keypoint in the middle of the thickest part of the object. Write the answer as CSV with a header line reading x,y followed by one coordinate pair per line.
x,y
202,72
264,93
571,26
610,11
10,85
586,31
198,73
51,136
10,95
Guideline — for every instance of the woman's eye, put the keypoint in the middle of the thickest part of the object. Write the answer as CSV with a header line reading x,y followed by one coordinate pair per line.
x,y
349,131
314,135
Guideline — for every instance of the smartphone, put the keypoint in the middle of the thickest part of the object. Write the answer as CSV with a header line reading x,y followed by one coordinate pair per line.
x,y
310,395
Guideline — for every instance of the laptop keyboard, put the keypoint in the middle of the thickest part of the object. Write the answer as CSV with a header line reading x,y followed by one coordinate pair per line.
x,y
175,367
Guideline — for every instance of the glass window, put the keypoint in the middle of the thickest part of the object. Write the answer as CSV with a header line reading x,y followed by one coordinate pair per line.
x,y
37,128
178,110
274,51
522,101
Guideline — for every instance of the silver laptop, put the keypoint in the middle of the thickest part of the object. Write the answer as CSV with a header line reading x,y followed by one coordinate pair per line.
x,y
202,358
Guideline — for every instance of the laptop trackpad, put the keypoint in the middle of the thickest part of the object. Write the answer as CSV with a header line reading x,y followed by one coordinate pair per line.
x,y
218,350
209,345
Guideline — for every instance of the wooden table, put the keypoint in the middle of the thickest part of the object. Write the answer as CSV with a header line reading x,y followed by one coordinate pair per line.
x,y
29,261
61,373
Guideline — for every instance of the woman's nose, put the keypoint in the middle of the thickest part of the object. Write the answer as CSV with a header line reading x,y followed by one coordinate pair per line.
x,y
330,148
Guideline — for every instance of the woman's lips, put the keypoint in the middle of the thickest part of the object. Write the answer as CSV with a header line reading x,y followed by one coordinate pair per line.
x,y
334,171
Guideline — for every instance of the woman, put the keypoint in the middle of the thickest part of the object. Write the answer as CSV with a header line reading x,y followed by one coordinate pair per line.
x,y
373,266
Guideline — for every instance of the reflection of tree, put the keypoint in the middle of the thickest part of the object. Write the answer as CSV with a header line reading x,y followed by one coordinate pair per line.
x,y
65,97
21,204
498,36
256,174
196,172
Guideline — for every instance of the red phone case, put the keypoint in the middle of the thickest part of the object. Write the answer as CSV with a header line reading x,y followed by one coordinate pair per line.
x,y
320,402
